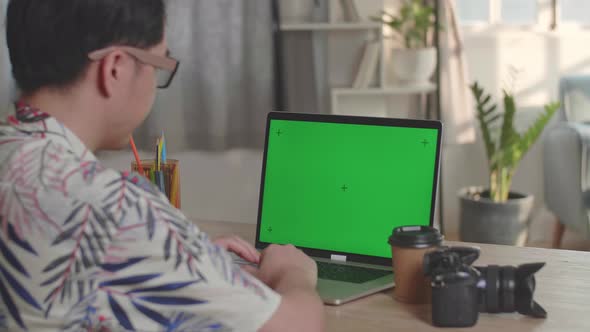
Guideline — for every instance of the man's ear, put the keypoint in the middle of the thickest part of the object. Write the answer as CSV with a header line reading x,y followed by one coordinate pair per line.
x,y
112,70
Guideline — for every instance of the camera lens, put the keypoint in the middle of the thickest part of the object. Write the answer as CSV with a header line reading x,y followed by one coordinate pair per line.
x,y
492,289
507,292
498,291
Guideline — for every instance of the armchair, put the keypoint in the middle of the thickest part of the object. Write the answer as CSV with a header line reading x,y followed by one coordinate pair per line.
x,y
567,160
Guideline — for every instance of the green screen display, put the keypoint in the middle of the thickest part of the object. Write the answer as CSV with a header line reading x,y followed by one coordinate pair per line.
x,y
344,187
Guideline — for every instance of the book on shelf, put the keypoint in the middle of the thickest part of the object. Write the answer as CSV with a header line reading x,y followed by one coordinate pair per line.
x,y
349,11
368,65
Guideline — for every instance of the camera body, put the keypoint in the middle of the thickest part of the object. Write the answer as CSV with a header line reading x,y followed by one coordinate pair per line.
x,y
455,300
460,291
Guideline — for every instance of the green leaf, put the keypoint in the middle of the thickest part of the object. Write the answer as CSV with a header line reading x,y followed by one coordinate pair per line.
x,y
484,125
413,22
491,110
406,12
415,36
505,155
493,119
508,134
534,131
396,24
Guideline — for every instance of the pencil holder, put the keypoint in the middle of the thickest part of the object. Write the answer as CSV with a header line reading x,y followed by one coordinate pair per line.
x,y
167,179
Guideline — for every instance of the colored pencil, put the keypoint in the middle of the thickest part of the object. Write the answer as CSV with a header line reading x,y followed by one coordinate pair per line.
x,y
163,150
136,154
157,160
174,190
160,180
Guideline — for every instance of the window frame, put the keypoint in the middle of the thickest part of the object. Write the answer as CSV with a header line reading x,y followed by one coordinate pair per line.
x,y
548,19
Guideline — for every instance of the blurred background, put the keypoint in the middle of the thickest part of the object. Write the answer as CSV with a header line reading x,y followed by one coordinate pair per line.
x,y
241,59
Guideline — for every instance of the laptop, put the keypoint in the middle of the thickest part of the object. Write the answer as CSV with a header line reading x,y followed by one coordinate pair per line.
x,y
336,186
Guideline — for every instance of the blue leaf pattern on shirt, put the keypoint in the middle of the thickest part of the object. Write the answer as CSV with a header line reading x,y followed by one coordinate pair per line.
x,y
120,313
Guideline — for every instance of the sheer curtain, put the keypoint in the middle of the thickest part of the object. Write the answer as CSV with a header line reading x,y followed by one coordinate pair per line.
x,y
457,110
224,87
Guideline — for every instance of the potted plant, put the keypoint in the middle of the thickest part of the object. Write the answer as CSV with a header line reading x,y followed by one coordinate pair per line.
x,y
415,62
496,214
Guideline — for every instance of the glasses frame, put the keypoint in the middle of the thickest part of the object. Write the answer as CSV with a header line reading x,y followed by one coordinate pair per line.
x,y
159,62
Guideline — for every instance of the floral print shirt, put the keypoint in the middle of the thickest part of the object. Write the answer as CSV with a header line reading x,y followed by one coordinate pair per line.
x,y
85,248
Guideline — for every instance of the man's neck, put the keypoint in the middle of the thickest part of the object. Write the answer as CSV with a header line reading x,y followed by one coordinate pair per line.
x,y
73,111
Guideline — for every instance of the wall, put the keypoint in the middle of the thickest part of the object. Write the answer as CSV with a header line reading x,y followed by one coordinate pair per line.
x,y
542,58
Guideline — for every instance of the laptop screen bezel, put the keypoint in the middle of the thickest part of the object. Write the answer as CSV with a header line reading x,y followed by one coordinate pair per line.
x,y
357,120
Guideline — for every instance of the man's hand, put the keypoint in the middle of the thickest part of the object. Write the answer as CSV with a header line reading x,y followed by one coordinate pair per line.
x,y
240,247
292,274
278,263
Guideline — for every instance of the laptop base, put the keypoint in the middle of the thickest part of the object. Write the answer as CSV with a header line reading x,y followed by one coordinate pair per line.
x,y
335,292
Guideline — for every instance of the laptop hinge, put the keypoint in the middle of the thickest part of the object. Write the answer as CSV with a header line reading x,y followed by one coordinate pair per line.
x,y
339,258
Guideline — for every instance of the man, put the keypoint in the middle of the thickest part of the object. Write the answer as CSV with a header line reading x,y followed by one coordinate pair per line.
x,y
84,248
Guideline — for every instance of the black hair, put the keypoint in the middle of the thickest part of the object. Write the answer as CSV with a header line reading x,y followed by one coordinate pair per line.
x,y
49,40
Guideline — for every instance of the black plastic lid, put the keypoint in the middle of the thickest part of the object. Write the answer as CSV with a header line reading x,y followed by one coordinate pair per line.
x,y
415,237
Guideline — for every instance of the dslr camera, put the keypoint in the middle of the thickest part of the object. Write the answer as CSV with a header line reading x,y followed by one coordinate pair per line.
x,y
460,291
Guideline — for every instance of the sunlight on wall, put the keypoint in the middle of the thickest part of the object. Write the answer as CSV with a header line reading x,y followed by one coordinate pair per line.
x,y
541,58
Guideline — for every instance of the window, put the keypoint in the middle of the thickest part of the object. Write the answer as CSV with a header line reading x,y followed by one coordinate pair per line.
x,y
473,11
519,12
543,14
508,12
575,11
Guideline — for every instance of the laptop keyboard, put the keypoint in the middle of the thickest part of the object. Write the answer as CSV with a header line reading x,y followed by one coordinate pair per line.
x,y
348,273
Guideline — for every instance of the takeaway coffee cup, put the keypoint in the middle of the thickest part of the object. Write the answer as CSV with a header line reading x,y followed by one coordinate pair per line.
x,y
408,246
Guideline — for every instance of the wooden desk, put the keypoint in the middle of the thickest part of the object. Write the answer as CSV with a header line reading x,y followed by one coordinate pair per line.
x,y
563,289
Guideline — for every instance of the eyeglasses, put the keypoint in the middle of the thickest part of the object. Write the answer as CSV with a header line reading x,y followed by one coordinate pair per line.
x,y
166,67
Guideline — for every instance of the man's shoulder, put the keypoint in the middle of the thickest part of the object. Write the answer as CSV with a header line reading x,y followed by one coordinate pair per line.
x,y
20,153
11,139
50,166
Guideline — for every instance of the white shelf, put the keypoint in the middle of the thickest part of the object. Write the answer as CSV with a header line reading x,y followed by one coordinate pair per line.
x,y
330,26
391,90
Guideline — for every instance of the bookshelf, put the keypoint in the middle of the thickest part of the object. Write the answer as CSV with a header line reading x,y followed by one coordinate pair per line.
x,y
299,26
341,96
345,44
389,90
